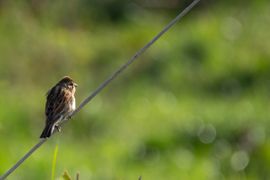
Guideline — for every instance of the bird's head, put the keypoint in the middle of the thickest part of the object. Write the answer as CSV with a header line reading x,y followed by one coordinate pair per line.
x,y
68,83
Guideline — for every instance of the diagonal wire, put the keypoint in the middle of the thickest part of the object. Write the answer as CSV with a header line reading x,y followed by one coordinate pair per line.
x,y
106,82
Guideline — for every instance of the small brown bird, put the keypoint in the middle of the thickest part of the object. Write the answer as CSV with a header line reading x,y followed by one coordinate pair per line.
x,y
59,106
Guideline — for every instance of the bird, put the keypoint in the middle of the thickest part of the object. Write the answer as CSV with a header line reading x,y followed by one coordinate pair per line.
x,y
60,103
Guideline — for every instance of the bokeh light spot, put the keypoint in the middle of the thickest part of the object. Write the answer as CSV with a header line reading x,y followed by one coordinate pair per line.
x,y
239,160
207,133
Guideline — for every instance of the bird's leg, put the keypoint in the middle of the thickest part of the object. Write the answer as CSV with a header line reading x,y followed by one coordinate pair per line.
x,y
58,128
68,118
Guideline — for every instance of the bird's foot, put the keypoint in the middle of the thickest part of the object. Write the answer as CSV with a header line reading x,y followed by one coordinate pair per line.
x,y
58,128
69,117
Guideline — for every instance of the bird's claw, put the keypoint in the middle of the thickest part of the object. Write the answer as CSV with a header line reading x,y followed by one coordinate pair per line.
x,y
58,128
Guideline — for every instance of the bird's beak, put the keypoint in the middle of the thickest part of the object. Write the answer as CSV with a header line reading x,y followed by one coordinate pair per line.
x,y
76,85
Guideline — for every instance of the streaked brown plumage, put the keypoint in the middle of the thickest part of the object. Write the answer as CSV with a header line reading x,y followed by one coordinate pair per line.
x,y
60,104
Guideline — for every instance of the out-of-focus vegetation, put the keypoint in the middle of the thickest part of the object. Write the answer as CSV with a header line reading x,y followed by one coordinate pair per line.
x,y
195,106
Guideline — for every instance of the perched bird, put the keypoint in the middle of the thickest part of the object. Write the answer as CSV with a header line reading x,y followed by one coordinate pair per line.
x,y
59,106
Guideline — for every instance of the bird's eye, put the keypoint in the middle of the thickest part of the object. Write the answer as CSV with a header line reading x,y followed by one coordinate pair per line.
x,y
70,85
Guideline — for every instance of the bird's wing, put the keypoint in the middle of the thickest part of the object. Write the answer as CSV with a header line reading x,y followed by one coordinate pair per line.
x,y
57,104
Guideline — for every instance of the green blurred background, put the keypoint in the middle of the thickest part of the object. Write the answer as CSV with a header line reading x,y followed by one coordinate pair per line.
x,y
194,106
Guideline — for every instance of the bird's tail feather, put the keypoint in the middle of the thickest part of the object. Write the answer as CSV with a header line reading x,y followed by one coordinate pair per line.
x,y
47,132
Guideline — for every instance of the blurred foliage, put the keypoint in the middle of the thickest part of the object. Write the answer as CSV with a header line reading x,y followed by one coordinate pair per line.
x,y
195,106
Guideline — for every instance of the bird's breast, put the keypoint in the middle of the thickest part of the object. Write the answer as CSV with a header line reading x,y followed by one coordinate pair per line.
x,y
73,105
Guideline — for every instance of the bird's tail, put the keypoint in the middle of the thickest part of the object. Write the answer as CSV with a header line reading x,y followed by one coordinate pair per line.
x,y
47,132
